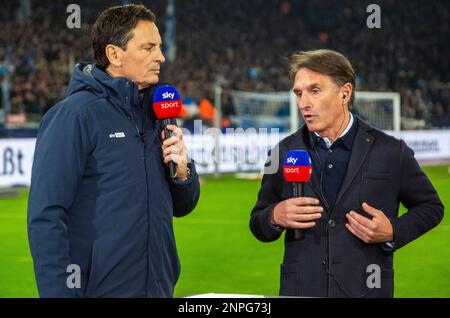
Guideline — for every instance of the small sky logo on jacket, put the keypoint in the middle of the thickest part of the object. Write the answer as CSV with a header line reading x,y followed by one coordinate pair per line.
x,y
117,135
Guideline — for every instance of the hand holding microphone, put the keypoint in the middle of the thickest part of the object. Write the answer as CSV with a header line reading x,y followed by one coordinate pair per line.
x,y
299,212
167,106
175,152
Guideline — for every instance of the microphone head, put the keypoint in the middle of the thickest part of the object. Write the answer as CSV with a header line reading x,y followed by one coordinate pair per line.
x,y
297,166
166,102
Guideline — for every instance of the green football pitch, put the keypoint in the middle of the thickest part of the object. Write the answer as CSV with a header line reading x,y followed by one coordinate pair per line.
x,y
219,254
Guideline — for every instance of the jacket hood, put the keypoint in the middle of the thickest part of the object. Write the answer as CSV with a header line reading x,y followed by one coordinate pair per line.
x,y
120,90
88,77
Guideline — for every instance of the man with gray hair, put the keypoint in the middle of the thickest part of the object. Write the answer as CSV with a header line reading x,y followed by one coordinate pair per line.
x,y
349,212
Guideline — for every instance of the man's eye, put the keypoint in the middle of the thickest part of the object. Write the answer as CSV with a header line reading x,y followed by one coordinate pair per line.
x,y
299,94
315,91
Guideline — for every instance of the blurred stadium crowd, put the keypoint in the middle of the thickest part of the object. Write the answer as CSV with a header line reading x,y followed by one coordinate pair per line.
x,y
242,45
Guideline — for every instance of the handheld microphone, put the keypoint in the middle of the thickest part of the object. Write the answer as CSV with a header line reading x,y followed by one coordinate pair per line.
x,y
167,106
297,169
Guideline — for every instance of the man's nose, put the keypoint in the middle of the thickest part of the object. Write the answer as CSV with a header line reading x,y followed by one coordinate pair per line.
x,y
304,102
160,58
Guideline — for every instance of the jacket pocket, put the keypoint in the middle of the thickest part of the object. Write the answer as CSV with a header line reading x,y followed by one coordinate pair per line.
x,y
290,280
377,175
377,190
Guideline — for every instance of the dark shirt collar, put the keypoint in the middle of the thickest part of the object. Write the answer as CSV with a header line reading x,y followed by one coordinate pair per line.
x,y
346,140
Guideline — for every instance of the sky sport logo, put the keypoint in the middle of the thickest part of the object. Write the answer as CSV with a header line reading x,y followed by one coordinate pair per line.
x,y
170,105
167,95
297,166
292,160
167,102
292,170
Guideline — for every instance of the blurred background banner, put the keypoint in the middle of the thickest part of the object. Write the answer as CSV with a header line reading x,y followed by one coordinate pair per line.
x,y
16,159
240,152
228,60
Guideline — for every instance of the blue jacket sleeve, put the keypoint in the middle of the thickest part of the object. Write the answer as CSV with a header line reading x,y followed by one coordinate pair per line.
x,y
59,160
185,194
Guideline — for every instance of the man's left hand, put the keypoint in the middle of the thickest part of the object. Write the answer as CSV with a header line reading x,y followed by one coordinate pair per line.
x,y
376,230
175,150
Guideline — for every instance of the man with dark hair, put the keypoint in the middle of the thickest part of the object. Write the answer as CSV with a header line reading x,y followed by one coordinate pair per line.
x,y
101,204
348,216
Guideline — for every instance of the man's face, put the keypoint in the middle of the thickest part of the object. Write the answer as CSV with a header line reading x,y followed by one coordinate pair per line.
x,y
143,57
320,102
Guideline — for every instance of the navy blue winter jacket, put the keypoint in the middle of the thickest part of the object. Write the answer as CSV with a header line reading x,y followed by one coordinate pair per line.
x,y
100,197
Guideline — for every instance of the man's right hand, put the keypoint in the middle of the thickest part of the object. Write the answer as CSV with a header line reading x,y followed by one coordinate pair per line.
x,y
297,213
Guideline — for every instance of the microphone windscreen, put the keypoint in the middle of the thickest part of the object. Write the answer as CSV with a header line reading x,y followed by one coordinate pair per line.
x,y
297,166
166,102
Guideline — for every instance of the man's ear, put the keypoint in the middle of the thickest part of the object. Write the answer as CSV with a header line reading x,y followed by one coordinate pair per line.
x,y
114,55
347,90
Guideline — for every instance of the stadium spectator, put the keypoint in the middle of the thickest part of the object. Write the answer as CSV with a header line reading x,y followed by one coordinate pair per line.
x,y
244,42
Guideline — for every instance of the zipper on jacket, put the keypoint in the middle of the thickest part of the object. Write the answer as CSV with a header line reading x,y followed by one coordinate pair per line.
x,y
141,134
